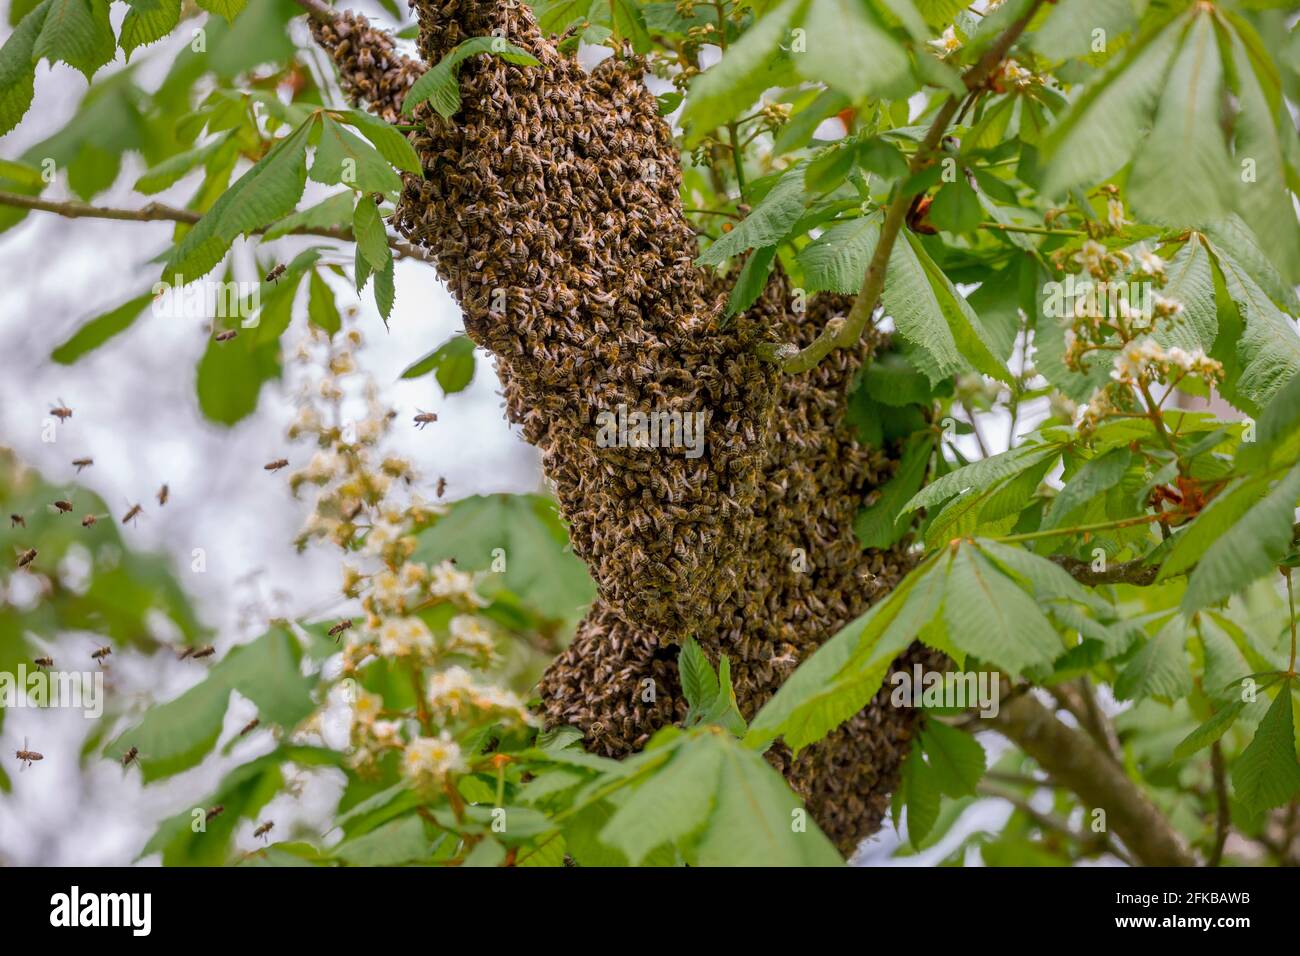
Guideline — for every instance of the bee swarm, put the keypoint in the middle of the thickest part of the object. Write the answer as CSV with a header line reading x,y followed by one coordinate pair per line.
x,y
561,188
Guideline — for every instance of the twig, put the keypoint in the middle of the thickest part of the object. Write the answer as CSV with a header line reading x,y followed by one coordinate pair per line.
x,y
841,333
158,212
1089,843
1223,816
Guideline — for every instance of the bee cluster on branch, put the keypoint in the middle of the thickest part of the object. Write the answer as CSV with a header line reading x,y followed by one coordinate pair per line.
x,y
550,204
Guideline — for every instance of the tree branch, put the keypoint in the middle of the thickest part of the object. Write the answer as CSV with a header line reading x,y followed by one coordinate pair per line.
x,y
1076,762
1087,842
844,333
157,212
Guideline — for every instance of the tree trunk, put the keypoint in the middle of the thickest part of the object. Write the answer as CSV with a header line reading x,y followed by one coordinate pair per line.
x,y
551,204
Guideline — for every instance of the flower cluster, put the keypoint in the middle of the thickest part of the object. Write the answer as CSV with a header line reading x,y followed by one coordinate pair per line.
x,y
421,617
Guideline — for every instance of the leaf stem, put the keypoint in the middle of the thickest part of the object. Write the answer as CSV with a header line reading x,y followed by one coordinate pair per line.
x,y
1079,529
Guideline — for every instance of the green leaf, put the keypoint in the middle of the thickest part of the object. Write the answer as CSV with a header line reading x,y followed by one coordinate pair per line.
x,y
100,329
751,281
1249,549
956,208
842,675
836,261
342,157
699,682
1068,32
931,315
231,375
989,616
228,9
1211,730
1159,668
148,21
956,759
1104,124
321,309
1187,136
981,475
1190,282
539,568
767,224
390,141
882,524
399,841
1219,516
1096,477
267,192
372,237
176,735
1266,348
76,32
18,68
1264,199
452,363
334,211
920,792
439,87
751,65
1267,774
671,805
851,52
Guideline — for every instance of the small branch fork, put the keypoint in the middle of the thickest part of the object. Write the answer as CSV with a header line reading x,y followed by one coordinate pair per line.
x,y
843,333
157,212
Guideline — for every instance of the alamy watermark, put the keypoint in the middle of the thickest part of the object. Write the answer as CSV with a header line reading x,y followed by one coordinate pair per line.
x,y
952,689
1076,298
206,299
656,429
82,690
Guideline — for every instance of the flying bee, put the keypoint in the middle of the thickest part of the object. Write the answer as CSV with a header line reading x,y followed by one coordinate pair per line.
x,y
101,654
44,662
264,829
89,520
276,465
425,418
61,411
185,653
27,755
163,494
81,463
17,521
214,812
129,756
337,630
132,514
206,651
62,506
225,336
250,727
442,486
27,557
274,274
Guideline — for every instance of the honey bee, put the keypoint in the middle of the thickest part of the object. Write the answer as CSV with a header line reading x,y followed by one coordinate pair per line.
x,y
250,727
214,812
81,463
26,756
61,411
88,520
276,465
129,756
206,651
226,335
425,418
264,829
27,557
16,521
62,506
442,486
275,273
134,512
44,662
337,630
101,653
163,494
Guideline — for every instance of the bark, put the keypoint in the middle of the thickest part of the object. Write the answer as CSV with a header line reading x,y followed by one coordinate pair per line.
x,y
1076,762
550,204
